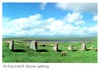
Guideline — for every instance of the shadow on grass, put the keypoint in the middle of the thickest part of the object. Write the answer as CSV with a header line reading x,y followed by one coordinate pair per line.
x,y
59,50
87,49
18,50
74,50
42,50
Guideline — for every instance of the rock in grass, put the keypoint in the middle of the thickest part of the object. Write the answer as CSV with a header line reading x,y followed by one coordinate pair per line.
x,y
70,47
11,45
63,53
55,46
83,47
33,45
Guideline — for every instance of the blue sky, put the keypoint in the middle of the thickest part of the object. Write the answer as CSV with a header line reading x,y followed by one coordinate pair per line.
x,y
19,10
49,19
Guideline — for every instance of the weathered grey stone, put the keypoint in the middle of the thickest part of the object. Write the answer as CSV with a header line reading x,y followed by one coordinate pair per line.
x,y
33,45
70,47
55,46
83,47
11,45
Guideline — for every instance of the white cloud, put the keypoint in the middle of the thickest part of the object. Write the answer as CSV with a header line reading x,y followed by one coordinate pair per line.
x,y
78,7
72,17
50,20
59,27
95,18
80,22
35,25
75,18
93,29
43,5
20,26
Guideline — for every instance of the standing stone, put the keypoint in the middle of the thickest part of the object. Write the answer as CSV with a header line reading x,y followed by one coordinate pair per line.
x,y
11,45
33,45
83,47
70,47
55,46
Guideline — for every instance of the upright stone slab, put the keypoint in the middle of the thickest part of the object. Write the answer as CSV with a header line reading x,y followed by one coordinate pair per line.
x,y
11,45
55,46
70,47
83,47
33,45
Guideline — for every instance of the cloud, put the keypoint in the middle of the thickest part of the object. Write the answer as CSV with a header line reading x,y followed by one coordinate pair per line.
x,y
21,26
95,18
59,27
35,25
78,7
43,5
74,18
80,22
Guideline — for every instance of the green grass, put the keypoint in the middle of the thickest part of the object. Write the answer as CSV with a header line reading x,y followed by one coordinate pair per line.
x,y
48,55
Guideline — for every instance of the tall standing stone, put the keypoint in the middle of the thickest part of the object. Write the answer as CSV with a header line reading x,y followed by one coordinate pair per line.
x,y
33,45
70,47
55,46
11,45
83,47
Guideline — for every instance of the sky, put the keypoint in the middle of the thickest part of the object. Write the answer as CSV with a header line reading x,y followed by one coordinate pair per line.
x,y
49,19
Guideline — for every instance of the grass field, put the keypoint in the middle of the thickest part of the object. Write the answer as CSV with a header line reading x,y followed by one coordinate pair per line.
x,y
23,53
